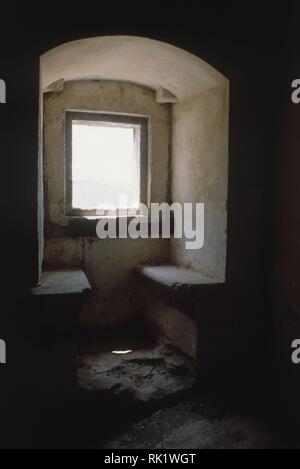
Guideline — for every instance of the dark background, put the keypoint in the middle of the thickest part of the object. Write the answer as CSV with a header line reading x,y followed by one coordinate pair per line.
x,y
256,48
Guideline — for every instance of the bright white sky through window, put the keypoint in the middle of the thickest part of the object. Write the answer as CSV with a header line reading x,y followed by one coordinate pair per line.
x,y
104,166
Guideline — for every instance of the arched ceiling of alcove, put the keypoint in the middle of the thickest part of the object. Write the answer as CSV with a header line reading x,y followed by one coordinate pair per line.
x,y
134,59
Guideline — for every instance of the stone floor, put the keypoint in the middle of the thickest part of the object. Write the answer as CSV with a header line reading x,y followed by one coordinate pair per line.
x,y
154,383
145,373
192,424
144,398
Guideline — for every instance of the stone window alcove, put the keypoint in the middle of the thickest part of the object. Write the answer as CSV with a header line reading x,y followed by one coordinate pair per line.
x,y
188,102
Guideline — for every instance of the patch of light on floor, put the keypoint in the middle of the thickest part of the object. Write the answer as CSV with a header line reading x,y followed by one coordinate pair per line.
x,y
121,352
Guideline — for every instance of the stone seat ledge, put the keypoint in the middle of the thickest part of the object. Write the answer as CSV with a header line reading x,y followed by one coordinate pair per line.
x,y
61,283
173,277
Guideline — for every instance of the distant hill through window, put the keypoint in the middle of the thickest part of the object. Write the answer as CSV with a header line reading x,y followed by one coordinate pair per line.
x,y
104,166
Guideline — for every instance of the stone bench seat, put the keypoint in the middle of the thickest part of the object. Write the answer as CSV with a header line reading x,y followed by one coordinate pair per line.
x,y
58,299
62,282
53,322
173,277
177,300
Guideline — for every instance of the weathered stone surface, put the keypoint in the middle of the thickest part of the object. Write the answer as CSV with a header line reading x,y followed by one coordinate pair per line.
x,y
173,276
174,324
145,375
166,283
194,425
62,282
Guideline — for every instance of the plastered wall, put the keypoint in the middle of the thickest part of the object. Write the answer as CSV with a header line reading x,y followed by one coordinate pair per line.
x,y
200,174
107,263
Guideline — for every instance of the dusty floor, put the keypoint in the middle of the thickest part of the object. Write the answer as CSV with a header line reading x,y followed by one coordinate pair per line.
x,y
191,424
158,381
146,398
151,375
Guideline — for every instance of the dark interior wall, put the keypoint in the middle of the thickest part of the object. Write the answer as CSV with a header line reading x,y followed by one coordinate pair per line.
x,y
244,54
285,291
246,46
288,220
18,150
